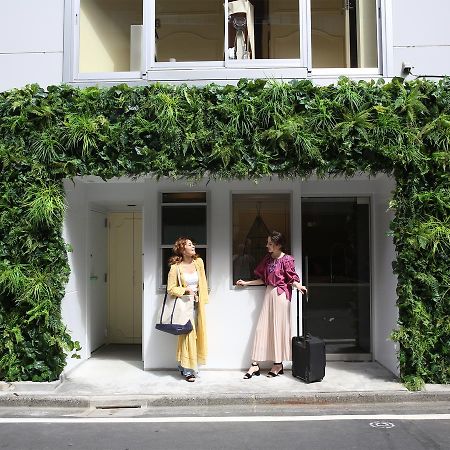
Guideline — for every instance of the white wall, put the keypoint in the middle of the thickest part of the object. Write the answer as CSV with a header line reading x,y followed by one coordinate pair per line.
x,y
31,42
384,309
97,267
421,36
74,305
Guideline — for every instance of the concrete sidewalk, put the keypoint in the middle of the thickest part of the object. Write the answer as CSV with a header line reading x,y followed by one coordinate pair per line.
x,y
106,382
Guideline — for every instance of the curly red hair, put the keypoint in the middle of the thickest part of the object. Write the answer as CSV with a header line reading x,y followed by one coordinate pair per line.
x,y
178,249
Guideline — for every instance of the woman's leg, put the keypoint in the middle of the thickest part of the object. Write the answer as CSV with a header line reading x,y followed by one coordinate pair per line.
x,y
187,372
254,370
277,369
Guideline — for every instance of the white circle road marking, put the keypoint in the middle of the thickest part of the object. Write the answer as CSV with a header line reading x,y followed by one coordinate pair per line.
x,y
375,417
381,424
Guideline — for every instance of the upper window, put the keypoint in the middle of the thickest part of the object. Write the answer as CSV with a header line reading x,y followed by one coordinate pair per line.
x,y
135,36
344,33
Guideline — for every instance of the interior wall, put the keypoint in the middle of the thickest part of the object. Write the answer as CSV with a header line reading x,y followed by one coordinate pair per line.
x,y
74,304
384,309
105,34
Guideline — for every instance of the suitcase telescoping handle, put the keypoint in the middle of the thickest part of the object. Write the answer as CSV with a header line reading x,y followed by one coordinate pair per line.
x,y
304,329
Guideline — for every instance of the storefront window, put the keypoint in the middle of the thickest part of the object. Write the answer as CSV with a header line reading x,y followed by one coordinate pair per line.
x,y
344,33
254,217
183,214
110,35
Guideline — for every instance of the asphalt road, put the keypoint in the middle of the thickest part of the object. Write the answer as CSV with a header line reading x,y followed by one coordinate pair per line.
x,y
405,426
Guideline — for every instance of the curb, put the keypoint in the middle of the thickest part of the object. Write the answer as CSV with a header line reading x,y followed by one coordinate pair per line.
x,y
154,401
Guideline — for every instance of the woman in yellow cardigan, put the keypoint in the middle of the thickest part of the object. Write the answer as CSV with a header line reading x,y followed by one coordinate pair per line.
x,y
192,347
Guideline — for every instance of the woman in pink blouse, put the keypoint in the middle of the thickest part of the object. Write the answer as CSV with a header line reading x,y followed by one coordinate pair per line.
x,y
273,332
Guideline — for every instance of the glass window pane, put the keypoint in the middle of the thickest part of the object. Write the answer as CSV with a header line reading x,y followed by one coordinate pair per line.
x,y
189,31
336,240
263,29
344,33
110,35
254,216
167,253
179,221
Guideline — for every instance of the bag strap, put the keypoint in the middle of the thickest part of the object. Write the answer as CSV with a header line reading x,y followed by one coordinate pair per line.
x,y
163,307
174,303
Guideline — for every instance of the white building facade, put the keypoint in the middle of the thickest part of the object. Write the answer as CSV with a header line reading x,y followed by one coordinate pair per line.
x,y
122,230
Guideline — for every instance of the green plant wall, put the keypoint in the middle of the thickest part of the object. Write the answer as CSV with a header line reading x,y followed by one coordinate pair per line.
x,y
256,129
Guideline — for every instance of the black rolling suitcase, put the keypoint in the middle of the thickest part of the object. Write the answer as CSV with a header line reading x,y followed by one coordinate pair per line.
x,y
308,352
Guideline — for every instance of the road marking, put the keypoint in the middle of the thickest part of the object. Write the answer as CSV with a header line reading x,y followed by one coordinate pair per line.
x,y
381,424
379,417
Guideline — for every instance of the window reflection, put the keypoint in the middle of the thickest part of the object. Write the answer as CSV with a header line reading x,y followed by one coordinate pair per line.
x,y
254,216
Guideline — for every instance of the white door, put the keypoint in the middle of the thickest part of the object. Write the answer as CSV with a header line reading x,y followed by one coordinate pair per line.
x,y
98,268
125,278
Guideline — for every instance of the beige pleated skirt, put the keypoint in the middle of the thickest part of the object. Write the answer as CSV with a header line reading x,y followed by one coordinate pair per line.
x,y
273,331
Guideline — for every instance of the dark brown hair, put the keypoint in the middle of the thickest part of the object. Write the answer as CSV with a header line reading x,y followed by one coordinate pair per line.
x,y
278,238
178,249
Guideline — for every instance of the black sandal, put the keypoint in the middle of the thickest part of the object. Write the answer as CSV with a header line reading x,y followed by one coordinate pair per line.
x,y
256,372
275,374
190,378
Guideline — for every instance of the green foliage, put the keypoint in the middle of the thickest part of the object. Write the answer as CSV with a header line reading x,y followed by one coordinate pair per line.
x,y
413,383
255,129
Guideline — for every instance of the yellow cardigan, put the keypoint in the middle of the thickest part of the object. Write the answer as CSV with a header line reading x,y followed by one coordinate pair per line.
x,y
192,347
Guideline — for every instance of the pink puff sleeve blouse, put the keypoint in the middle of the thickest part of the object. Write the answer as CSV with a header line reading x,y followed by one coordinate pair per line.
x,y
279,273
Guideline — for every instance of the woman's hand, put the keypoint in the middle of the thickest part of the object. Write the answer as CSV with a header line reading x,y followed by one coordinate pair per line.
x,y
241,283
300,287
190,291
